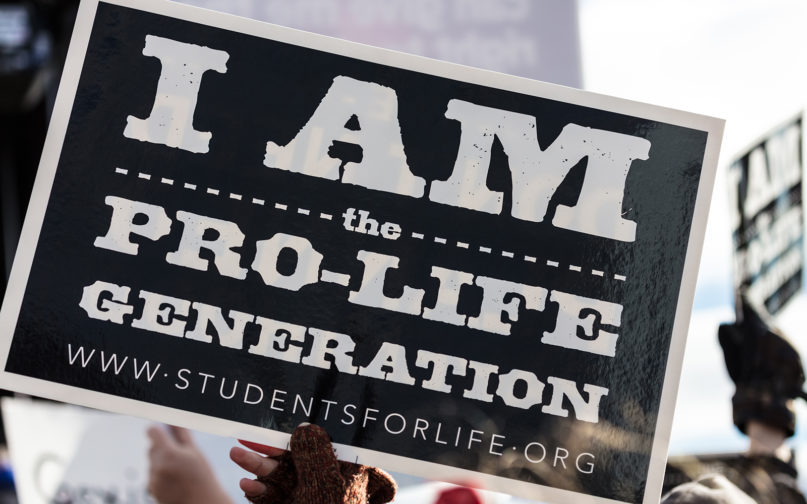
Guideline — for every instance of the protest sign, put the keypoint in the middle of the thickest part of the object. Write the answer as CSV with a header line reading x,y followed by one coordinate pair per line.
x,y
64,454
458,274
767,217
538,39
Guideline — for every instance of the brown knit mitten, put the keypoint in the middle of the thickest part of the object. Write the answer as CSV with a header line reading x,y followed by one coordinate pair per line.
x,y
310,474
766,368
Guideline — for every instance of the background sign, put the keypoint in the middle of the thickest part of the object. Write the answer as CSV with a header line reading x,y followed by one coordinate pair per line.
x,y
63,454
538,39
767,217
460,274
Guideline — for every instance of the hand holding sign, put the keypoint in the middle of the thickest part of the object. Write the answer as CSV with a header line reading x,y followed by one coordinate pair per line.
x,y
254,463
310,473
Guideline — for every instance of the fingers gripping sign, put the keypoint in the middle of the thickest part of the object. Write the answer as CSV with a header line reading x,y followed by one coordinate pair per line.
x,y
260,466
310,473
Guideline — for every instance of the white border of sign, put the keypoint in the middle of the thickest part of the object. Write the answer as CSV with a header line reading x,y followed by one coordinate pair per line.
x,y
47,172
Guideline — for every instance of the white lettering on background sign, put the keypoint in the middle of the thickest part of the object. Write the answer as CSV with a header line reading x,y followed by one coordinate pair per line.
x,y
536,173
773,170
766,216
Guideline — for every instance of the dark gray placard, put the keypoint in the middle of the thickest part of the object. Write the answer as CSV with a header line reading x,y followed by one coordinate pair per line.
x,y
765,189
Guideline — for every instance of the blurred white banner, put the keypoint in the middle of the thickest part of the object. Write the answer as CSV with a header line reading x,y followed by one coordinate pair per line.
x,y
64,454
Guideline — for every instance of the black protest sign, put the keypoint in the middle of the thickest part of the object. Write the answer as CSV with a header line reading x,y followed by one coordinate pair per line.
x,y
456,273
767,217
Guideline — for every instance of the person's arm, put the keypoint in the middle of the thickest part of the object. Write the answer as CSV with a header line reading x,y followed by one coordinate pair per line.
x,y
179,472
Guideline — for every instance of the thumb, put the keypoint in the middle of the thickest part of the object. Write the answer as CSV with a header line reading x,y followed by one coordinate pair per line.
x,y
316,465
381,488
183,436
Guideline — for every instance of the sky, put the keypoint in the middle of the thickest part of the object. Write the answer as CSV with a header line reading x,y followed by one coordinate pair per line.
x,y
739,60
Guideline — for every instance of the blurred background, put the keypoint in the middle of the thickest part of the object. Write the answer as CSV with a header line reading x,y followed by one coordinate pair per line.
x,y
740,60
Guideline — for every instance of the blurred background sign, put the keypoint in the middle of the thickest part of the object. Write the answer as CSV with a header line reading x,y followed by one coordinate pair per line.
x,y
538,39
766,212
65,454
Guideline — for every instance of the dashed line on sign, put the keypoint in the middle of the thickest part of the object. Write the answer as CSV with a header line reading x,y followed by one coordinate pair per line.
x,y
336,278
342,279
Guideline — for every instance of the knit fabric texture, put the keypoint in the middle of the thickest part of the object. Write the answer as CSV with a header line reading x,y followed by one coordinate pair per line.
x,y
309,473
766,368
